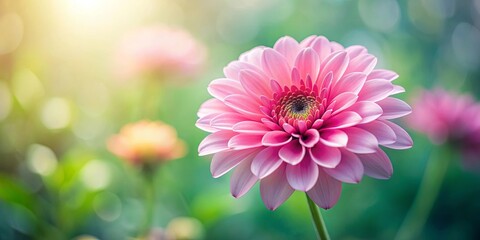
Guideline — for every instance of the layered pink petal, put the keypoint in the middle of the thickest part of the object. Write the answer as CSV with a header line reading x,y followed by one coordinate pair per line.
x,y
254,83
360,141
242,179
303,175
292,153
288,47
276,138
245,141
382,74
244,105
222,162
223,87
382,132
325,156
394,108
250,127
215,142
226,120
277,66
368,111
334,138
352,82
275,189
377,164
326,192
308,63
342,120
336,64
265,162
375,90
350,168
403,140
310,138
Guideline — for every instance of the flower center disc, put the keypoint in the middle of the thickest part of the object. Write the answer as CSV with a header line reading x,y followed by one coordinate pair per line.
x,y
298,107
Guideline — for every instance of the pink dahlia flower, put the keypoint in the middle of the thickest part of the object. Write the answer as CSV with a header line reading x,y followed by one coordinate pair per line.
x,y
302,116
449,118
160,50
147,142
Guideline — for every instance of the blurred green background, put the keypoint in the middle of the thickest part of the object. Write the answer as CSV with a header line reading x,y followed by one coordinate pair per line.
x,y
60,101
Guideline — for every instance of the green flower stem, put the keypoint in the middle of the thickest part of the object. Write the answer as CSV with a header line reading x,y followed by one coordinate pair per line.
x,y
149,202
317,220
428,191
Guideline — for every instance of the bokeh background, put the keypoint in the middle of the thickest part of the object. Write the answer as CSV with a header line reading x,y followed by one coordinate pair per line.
x,y
61,98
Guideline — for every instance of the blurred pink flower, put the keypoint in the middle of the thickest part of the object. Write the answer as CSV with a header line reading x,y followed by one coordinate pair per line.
x,y
447,117
302,116
147,142
160,50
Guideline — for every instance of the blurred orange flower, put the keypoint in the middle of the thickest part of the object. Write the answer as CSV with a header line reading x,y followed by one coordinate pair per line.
x,y
159,50
147,142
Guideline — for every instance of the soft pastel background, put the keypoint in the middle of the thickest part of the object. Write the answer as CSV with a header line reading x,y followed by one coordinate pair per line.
x,y
61,99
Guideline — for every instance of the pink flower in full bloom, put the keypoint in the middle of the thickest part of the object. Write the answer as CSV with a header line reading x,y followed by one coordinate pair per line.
x,y
160,50
447,117
147,142
302,116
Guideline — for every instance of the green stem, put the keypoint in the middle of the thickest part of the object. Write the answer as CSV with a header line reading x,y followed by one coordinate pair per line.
x,y
149,203
317,220
428,191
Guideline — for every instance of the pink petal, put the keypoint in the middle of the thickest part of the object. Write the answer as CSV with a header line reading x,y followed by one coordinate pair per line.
x,y
215,142
355,51
349,170
212,106
336,63
250,127
382,74
310,138
404,141
277,66
397,89
342,120
204,123
223,87
276,138
364,63
233,69
325,156
245,141
326,191
242,179
254,83
333,138
377,165
308,63
265,162
375,90
222,162
322,46
292,153
253,57
288,47
381,131
226,120
352,82
343,101
244,105
360,141
394,108
303,175
368,111
275,189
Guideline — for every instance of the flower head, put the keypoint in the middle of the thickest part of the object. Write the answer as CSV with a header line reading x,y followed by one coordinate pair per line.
x,y
302,116
447,117
147,142
160,50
